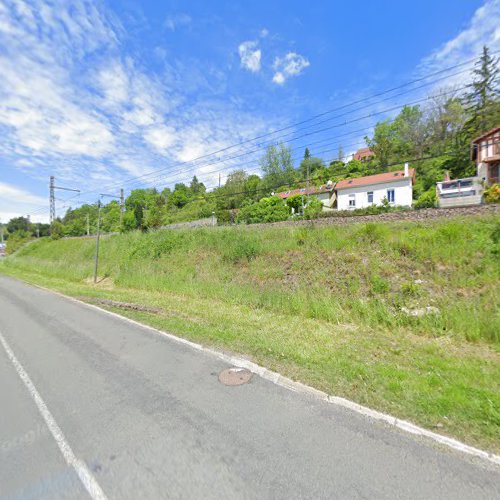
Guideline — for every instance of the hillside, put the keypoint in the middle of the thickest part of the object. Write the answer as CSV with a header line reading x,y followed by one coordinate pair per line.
x,y
402,317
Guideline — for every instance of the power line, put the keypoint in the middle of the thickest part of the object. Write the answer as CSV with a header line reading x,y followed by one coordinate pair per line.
x,y
279,138
315,117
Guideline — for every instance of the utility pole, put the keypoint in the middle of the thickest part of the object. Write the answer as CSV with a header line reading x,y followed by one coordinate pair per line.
x,y
38,230
88,225
219,179
96,259
98,233
1,232
307,185
52,197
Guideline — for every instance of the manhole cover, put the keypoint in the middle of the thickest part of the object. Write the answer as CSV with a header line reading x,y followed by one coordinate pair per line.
x,y
235,376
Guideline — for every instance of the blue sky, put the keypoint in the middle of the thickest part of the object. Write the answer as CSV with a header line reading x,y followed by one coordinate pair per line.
x,y
101,94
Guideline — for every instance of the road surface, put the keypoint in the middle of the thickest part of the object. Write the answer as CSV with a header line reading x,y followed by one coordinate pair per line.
x,y
93,406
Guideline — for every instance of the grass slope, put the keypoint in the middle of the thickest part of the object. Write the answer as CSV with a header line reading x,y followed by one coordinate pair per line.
x,y
321,305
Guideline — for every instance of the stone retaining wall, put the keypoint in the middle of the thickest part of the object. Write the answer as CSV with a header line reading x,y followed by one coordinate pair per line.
x,y
411,215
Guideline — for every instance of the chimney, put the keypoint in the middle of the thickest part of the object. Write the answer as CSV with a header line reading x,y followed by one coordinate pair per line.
x,y
407,170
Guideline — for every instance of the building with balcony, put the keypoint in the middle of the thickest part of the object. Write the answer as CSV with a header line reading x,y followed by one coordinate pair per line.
x,y
485,151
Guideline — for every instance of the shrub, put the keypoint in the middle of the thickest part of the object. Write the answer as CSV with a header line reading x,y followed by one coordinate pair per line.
x,y
313,209
427,200
266,210
16,241
492,194
295,202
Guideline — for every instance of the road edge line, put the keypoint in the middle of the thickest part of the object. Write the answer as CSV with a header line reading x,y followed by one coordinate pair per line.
x,y
88,481
287,383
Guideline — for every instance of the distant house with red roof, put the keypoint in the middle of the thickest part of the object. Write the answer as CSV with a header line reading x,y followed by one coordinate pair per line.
x,y
361,192
363,154
324,193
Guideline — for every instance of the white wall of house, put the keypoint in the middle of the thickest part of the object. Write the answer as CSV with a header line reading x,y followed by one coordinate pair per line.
x,y
402,190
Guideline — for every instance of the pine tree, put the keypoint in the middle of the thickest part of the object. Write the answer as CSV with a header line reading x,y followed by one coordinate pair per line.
x,y
307,154
482,100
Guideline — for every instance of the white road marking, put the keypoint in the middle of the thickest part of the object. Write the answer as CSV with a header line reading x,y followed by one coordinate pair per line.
x,y
86,477
292,385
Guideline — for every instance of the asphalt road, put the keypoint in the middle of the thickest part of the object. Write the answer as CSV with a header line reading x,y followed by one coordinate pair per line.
x,y
94,406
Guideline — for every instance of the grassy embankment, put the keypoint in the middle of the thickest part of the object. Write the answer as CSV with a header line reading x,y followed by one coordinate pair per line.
x,y
321,305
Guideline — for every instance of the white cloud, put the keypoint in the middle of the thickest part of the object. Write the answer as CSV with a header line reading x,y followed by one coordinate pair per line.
x,y
177,20
16,202
292,64
483,29
264,32
75,104
250,56
161,137
279,78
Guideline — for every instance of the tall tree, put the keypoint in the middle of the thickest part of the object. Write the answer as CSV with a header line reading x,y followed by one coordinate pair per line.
x,y
382,143
307,154
196,186
482,100
277,166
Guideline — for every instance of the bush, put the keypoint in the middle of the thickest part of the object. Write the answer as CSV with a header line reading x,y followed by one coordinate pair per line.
x,y
16,241
427,200
295,202
266,210
313,209
492,194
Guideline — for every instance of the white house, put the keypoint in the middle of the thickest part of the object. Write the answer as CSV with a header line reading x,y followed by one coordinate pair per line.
x,y
362,192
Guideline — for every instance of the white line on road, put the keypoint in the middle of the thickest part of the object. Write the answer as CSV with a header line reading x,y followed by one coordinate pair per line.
x,y
86,477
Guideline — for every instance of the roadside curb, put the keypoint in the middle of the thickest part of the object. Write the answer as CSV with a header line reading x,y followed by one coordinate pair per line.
x,y
299,387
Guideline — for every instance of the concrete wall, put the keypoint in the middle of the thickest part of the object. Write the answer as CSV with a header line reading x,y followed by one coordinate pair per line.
x,y
461,201
403,194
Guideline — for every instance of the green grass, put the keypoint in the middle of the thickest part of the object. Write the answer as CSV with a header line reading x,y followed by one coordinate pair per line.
x,y
321,305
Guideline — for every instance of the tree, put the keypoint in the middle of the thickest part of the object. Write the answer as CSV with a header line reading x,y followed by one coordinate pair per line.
x,y
307,154
19,224
140,200
277,166
197,187
482,99
382,143
409,133
308,167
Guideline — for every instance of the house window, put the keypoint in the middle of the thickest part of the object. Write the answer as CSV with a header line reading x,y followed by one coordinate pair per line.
x,y
390,195
370,196
352,200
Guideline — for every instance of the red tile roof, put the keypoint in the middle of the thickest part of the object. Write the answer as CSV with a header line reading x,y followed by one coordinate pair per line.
x,y
305,191
375,179
363,153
